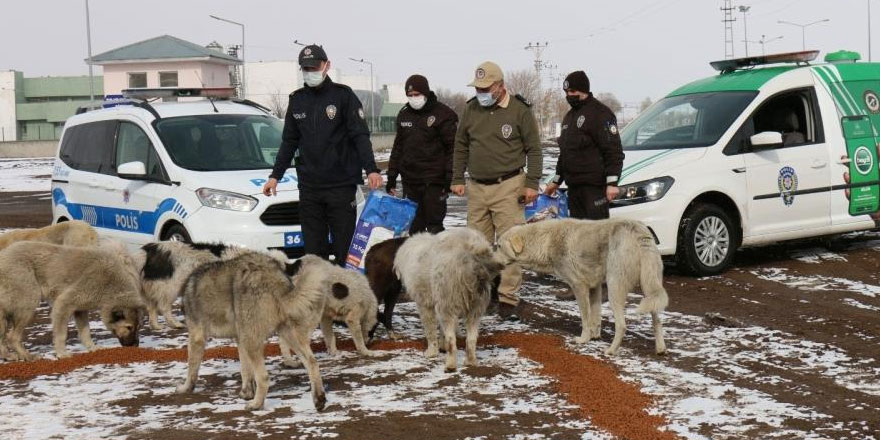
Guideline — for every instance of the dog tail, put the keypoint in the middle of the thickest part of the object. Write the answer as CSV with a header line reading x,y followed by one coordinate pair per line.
x,y
651,276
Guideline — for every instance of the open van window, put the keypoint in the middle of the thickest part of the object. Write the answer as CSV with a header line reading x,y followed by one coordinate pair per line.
x,y
685,121
221,142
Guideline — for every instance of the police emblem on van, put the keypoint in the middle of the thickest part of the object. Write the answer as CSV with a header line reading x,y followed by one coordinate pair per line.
x,y
863,160
431,120
872,101
506,130
787,183
331,111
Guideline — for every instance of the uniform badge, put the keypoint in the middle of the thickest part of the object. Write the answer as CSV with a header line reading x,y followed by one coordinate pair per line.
x,y
506,130
480,73
307,51
431,120
611,127
581,120
361,113
409,88
872,101
787,183
331,111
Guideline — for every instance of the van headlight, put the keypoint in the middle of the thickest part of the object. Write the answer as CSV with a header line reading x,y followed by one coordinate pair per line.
x,y
641,192
230,201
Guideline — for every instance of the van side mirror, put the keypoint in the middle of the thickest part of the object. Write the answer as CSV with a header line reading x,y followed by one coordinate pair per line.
x,y
766,140
132,171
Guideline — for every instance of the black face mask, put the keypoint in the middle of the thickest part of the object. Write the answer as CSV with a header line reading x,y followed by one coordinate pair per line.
x,y
574,100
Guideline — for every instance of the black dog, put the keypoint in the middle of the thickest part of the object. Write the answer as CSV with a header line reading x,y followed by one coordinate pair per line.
x,y
379,268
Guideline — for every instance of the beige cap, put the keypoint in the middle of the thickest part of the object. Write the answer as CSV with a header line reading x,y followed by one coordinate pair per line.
x,y
486,74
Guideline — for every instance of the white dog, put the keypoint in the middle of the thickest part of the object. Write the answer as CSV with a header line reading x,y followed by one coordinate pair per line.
x,y
449,275
586,253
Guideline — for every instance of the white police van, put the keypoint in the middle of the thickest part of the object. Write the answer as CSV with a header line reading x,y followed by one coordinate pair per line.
x,y
189,171
754,155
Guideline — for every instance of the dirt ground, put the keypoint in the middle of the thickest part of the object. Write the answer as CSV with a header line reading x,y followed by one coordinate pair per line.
x,y
813,301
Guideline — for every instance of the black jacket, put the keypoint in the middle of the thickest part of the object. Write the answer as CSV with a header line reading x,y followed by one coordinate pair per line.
x,y
589,146
423,146
326,131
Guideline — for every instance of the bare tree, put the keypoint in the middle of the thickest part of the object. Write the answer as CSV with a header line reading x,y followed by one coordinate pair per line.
x,y
611,101
277,103
524,82
645,104
457,101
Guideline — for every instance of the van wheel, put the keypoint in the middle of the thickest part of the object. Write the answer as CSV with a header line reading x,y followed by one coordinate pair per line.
x,y
176,233
707,240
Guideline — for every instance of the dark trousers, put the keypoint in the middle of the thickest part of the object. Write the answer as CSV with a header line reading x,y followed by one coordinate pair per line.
x,y
432,206
587,202
328,211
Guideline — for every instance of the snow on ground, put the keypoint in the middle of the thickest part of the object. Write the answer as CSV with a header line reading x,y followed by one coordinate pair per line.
x,y
817,282
32,174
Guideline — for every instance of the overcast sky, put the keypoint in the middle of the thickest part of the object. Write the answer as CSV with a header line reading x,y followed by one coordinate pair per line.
x,y
633,48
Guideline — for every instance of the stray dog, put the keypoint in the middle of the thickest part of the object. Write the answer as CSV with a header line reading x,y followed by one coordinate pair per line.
x,y
450,276
74,280
72,233
379,267
586,253
249,298
349,299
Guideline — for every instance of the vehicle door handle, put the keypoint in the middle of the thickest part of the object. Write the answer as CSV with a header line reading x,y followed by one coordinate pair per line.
x,y
818,163
739,170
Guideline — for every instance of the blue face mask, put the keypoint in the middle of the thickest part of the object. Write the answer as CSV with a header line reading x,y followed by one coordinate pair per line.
x,y
486,99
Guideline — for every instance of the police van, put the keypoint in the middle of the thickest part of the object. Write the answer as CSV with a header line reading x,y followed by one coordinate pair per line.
x,y
771,148
188,171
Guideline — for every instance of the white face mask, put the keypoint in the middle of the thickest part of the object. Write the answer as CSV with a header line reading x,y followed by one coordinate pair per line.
x,y
417,102
313,79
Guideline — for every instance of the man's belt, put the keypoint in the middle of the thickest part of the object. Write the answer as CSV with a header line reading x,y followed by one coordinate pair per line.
x,y
498,180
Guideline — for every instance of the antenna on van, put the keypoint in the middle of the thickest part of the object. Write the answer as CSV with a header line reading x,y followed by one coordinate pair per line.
x,y
211,100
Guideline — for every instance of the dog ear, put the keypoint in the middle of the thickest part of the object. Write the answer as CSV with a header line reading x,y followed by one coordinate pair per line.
x,y
292,269
517,244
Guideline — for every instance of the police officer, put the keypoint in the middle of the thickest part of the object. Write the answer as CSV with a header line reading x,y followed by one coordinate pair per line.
x,y
497,136
422,154
325,131
590,154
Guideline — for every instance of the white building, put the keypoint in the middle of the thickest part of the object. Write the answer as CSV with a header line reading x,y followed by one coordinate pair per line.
x,y
8,125
270,82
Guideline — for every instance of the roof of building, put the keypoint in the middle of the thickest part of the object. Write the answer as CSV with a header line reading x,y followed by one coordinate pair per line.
x,y
161,47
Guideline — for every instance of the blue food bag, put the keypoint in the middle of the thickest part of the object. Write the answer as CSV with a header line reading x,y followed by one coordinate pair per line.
x,y
383,217
544,207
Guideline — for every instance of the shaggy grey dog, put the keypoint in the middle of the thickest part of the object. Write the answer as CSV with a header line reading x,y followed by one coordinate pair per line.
x,y
74,281
72,233
586,253
249,298
449,276
349,299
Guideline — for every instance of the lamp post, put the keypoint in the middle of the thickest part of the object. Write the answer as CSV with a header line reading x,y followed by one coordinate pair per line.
x,y
745,9
803,29
372,104
89,43
243,66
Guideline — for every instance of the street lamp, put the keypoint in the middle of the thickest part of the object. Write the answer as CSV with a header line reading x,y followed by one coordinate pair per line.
x,y
89,42
745,9
243,68
763,41
803,29
372,105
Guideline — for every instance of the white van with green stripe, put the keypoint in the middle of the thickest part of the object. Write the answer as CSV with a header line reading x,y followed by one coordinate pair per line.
x,y
773,148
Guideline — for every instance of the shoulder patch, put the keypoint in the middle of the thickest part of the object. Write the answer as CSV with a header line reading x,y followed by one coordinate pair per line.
x,y
523,100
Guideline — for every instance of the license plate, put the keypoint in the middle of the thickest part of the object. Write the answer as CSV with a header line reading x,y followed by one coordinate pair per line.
x,y
293,239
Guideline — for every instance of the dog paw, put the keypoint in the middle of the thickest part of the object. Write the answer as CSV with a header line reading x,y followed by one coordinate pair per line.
x,y
372,353
178,325
320,402
611,351
470,362
246,394
432,352
183,389
62,354
661,350
394,336
581,340
596,333
451,368
292,363
253,405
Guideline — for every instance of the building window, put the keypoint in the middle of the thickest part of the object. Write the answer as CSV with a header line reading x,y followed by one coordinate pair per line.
x,y
167,79
136,80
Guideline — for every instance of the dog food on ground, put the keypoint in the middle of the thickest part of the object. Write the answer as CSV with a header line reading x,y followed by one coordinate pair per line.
x,y
593,385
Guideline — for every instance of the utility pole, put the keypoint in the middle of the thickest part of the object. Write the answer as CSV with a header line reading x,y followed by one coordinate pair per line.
x,y
89,39
763,42
803,29
243,68
869,31
744,10
372,104
728,21
538,50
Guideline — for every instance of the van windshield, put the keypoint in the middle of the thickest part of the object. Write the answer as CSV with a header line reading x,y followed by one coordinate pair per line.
x,y
221,142
685,121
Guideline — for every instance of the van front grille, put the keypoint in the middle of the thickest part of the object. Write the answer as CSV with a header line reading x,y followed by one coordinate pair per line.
x,y
281,214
